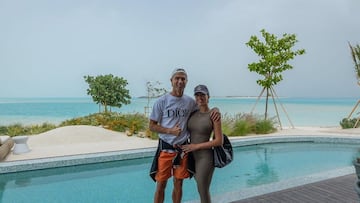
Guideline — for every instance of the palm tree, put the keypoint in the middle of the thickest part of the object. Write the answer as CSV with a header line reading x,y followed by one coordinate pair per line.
x,y
355,53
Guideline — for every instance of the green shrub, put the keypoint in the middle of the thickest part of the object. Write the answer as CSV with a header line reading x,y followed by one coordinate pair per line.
x,y
227,123
36,129
85,120
136,122
112,121
19,129
348,123
3,130
152,135
241,128
264,127
16,129
244,124
237,125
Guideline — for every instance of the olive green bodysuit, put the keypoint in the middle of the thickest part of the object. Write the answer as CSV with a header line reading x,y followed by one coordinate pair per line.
x,y
200,127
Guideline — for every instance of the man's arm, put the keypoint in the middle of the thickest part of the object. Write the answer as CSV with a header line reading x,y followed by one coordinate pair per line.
x,y
155,127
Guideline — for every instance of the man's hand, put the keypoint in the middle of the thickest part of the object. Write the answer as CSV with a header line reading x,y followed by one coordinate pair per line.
x,y
176,130
215,114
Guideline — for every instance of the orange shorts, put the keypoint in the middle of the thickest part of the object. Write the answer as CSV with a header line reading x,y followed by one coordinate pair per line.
x,y
166,168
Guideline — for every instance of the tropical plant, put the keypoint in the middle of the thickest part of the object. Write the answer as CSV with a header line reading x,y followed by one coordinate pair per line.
x,y
108,90
19,129
244,124
112,121
274,55
349,123
355,53
238,125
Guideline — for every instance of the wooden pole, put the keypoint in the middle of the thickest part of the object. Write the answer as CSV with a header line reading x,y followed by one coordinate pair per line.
x,y
276,109
273,93
257,100
292,125
357,104
267,101
357,121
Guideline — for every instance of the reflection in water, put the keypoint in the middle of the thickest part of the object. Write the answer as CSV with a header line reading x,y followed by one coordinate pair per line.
x,y
65,178
264,172
112,181
20,182
2,187
23,182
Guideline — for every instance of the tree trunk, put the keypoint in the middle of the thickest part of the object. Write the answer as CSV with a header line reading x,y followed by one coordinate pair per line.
x,y
267,101
105,107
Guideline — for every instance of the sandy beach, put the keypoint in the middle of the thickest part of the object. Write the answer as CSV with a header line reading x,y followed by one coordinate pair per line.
x,y
75,140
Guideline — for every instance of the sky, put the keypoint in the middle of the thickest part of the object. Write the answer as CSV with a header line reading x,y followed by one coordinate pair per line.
x,y
47,46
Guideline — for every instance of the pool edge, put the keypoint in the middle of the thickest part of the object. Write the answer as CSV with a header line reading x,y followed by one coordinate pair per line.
x,y
72,160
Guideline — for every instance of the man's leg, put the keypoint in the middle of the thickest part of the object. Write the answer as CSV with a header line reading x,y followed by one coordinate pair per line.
x,y
180,173
163,174
177,192
160,192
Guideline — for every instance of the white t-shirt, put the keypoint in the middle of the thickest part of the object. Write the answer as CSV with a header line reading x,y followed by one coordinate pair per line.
x,y
169,110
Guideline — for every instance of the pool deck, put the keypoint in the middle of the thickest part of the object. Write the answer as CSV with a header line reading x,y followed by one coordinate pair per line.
x,y
334,190
79,140
73,145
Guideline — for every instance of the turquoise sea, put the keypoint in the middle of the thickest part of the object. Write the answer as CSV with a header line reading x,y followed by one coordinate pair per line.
x,y
319,112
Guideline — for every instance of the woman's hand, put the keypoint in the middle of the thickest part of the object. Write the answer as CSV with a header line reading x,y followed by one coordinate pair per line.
x,y
189,148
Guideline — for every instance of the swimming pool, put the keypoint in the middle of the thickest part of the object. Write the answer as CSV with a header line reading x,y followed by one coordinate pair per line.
x,y
128,180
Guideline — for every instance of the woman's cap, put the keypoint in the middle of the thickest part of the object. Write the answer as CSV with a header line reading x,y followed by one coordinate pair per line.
x,y
201,89
178,70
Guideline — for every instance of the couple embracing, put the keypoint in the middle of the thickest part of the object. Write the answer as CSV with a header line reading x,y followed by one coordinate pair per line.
x,y
177,117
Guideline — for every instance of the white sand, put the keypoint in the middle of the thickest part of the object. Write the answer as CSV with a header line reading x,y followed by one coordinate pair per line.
x,y
71,140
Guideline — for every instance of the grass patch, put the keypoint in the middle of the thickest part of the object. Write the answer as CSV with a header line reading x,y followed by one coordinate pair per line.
x,y
19,129
244,124
133,123
238,125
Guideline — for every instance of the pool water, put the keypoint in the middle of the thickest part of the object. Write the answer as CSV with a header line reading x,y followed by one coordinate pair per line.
x,y
128,180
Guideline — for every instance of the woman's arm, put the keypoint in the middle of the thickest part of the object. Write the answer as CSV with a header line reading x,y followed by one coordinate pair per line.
x,y
217,141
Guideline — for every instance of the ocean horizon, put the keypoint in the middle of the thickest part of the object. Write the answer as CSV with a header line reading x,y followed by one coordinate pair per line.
x,y
317,112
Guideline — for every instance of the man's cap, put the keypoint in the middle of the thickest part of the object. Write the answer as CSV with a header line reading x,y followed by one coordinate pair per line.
x,y
201,89
178,70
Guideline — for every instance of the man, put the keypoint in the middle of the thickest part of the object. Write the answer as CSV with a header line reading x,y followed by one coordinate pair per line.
x,y
169,118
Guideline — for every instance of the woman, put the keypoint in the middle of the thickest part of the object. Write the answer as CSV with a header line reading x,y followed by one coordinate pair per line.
x,y
201,126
